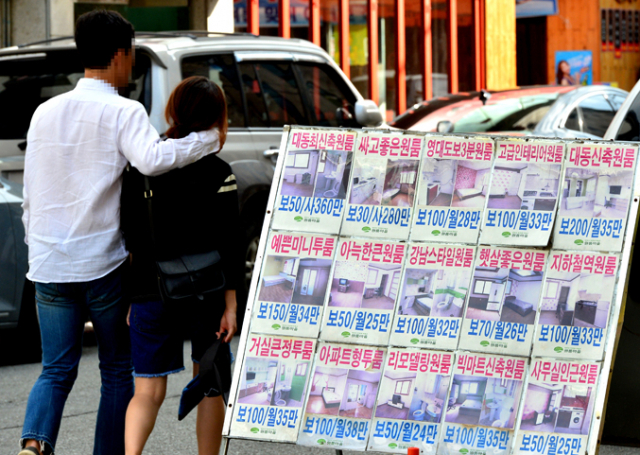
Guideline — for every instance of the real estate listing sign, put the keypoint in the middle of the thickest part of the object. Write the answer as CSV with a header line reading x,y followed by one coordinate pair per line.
x,y
503,300
293,284
383,187
273,384
523,193
452,189
412,397
313,186
482,404
364,289
558,407
341,397
596,189
434,289
576,303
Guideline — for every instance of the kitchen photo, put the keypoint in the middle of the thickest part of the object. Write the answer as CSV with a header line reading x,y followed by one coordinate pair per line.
x,y
364,285
508,295
434,292
271,382
343,392
454,183
587,193
557,408
477,400
367,184
524,186
400,183
278,278
574,299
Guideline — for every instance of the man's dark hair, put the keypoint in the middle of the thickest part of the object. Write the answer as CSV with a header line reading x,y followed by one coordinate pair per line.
x,y
99,35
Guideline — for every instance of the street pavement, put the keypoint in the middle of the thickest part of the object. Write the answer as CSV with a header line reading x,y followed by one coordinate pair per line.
x,y
170,437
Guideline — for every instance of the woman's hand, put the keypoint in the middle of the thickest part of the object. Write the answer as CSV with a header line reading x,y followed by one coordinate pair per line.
x,y
228,322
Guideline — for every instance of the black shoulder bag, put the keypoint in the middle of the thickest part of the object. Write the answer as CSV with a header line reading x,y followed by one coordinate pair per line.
x,y
185,275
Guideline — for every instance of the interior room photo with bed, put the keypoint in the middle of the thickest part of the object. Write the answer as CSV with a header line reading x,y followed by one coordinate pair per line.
x,y
278,279
524,186
490,402
575,299
434,292
274,382
454,183
508,295
587,193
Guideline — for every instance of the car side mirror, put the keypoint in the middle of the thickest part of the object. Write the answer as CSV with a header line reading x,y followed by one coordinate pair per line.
x,y
367,113
444,126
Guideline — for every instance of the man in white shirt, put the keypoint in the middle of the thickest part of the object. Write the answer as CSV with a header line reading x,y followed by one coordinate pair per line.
x,y
78,145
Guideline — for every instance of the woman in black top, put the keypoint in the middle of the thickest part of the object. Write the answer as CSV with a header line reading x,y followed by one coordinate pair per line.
x,y
195,210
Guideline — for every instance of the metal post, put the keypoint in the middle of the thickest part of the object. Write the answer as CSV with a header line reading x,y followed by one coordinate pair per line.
x,y
401,59
478,32
427,69
314,22
253,16
372,25
452,26
225,450
284,19
343,33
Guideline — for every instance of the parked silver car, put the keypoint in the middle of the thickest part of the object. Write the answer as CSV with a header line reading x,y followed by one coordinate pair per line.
x,y
268,82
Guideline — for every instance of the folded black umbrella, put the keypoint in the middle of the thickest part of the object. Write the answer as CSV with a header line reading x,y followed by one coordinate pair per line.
x,y
213,379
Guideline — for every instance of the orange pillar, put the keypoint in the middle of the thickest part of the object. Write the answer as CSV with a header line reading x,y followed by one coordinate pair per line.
x,y
314,22
372,25
343,33
401,60
284,19
427,70
452,27
253,16
478,31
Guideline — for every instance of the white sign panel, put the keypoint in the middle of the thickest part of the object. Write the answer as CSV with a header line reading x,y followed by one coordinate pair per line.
x,y
273,384
293,283
576,303
383,185
313,186
558,407
483,404
452,189
596,190
411,401
525,185
503,300
341,397
434,289
364,288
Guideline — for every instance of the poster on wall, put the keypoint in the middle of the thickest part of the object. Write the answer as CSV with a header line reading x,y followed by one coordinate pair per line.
x,y
434,289
534,8
364,288
482,404
596,191
273,384
293,284
574,68
557,408
576,303
452,189
523,192
503,300
313,187
383,185
341,396
268,13
411,400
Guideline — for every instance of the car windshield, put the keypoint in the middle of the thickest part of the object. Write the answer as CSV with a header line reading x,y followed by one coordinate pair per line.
x,y
514,114
31,79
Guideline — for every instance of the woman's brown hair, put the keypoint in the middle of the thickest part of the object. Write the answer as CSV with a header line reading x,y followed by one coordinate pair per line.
x,y
196,104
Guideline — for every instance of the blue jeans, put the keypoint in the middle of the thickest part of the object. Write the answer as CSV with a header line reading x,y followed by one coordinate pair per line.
x,y
62,311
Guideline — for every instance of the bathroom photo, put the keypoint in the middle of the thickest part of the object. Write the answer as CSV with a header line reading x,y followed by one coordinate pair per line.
x,y
333,174
274,382
360,394
299,174
587,193
508,295
429,395
524,186
400,183
491,402
367,184
326,390
434,292
454,183
574,299
557,408
311,287
278,279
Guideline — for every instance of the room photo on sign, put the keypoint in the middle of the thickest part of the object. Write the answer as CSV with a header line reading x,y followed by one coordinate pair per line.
x,y
316,173
434,292
364,285
525,186
454,183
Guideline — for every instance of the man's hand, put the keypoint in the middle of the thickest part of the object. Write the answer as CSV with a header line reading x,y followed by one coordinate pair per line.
x,y
228,322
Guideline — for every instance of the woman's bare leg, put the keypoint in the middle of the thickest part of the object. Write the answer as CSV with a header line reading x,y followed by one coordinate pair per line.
x,y
142,412
209,423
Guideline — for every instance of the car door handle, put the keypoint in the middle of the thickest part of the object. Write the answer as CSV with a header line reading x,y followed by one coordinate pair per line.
x,y
271,152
